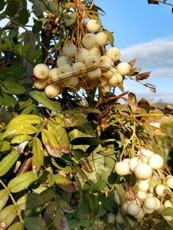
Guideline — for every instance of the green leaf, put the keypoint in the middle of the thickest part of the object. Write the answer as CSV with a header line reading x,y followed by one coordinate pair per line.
x,y
167,212
64,183
22,182
3,198
8,161
41,98
23,128
59,221
7,215
37,26
70,19
35,200
93,203
65,206
39,7
86,141
7,100
99,186
11,9
5,146
23,16
38,154
35,223
2,4
20,139
13,87
16,226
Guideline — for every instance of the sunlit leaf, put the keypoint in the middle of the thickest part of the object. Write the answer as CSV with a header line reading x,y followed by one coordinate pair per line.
x,y
4,146
8,161
16,226
22,181
38,155
7,215
64,183
4,195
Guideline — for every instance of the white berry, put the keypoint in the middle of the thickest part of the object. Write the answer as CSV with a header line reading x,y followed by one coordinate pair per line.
x,y
41,71
143,171
156,161
123,68
122,168
93,26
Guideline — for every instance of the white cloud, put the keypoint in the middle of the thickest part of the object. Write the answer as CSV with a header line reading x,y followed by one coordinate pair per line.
x,y
155,55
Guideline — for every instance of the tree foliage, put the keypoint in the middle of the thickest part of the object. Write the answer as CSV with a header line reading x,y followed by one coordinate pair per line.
x,y
58,155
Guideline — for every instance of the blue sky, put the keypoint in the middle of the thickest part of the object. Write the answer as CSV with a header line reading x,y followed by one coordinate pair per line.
x,y
144,32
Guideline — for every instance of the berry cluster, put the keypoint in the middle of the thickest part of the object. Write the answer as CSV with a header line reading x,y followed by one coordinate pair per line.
x,y
151,193
87,66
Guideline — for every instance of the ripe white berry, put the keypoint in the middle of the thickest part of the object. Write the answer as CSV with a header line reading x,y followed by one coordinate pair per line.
x,y
64,71
140,214
41,71
71,82
116,198
142,195
113,53
89,41
105,63
119,218
156,161
104,88
160,189
79,69
133,162
62,60
53,90
168,218
168,204
91,60
95,51
53,74
115,80
101,39
169,181
145,154
69,50
150,203
143,185
82,54
123,68
147,210
158,204
40,83
93,26
122,168
143,171
133,209
93,74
